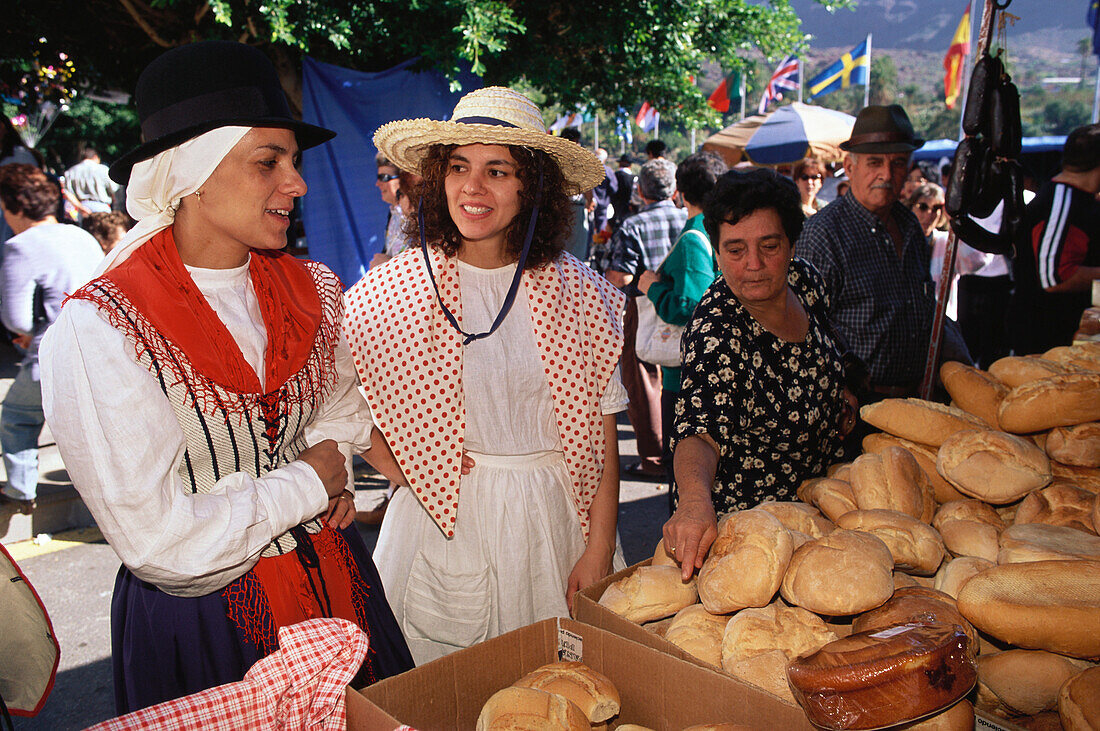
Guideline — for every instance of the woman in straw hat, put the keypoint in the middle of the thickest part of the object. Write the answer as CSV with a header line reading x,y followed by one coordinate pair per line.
x,y
203,397
508,350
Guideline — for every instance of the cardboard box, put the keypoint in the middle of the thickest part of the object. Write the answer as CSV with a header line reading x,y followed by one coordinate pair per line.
x,y
657,690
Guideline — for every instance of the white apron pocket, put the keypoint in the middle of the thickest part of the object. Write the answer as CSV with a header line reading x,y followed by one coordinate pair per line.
x,y
446,607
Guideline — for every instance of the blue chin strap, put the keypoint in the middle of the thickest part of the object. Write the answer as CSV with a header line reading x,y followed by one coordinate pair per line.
x,y
468,338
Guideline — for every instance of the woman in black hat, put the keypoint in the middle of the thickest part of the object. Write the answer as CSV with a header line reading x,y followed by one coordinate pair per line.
x,y
203,397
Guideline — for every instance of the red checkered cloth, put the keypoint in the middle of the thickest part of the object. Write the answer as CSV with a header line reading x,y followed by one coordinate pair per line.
x,y
299,686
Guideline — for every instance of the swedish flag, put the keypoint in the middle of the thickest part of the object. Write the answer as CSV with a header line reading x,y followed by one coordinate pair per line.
x,y
853,67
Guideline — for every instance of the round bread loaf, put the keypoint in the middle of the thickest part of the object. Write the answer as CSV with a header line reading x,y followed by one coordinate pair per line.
x,y
955,573
918,420
915,546
793,631
838,471
993,466
649,593
526,709
892,480
799,517
717,727
959,717
974,391
661,556
1026,542
699,633
832,497
917,605
874,679
592,692
1016,370
1064,400
845,572
1023,681
969,527
1060,504
1075,445
1042,605
1079,701
746,562
942,490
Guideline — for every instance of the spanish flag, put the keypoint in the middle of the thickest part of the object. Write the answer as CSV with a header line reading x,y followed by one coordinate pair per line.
x,y
954,61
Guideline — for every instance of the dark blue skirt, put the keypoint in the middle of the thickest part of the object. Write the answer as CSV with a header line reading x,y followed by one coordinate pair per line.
x,y
164,647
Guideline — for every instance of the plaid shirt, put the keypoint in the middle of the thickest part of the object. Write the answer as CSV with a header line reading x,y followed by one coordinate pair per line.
x,y
881,305
644,239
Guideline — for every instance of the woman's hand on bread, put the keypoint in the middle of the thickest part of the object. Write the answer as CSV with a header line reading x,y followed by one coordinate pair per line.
x,y
689,533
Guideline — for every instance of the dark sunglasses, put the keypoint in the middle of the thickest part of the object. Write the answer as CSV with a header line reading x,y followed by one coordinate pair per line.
x,y
809,177
385,177
926,208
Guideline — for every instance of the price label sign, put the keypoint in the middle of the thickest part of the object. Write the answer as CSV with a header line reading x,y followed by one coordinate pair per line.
x,y
570,646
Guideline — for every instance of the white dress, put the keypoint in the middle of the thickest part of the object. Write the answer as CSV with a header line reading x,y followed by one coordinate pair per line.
x,y
517,535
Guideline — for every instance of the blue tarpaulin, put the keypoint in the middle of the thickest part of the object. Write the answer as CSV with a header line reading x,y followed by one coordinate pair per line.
x,y
344,216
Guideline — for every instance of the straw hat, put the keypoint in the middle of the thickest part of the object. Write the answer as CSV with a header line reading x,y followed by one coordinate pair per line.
x,y
491,116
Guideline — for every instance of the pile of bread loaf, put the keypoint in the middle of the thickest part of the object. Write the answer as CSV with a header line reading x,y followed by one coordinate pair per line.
x,y
963,537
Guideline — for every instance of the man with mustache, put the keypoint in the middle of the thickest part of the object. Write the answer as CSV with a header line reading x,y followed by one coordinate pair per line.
x,y
873,256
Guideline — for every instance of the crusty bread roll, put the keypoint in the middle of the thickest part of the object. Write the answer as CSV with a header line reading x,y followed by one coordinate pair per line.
x,y
1023,681
1079,701
1096,514
842,573
717,727
942,490
1059,503
917,605
1086,478
915,546
591,691
1041,605
1027,542
959,717
892,480
1016,370
1064,400
661,556
1086,357
918,420
746,562
658,626
876,679
969,528
832,497
993,466
1075,445
758,643
698,632
649,593
974,391
903,579
955,573
838,471
799,517
526,709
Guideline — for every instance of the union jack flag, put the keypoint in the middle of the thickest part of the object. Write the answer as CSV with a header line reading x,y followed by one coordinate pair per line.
x,y
785,78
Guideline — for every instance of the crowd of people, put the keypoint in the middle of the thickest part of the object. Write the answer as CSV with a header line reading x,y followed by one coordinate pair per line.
x,y
207,390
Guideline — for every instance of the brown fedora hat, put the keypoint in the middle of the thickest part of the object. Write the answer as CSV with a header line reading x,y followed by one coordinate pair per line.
x,y
882,129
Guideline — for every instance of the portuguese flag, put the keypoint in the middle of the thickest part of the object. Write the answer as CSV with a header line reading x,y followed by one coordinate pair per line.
x,y
727,91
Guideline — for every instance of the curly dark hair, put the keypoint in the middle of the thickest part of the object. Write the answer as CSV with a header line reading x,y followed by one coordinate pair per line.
x,y
739,194
555,211
26,190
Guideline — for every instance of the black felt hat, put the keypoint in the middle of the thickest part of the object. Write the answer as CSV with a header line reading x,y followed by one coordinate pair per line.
x,y
882,129
195,88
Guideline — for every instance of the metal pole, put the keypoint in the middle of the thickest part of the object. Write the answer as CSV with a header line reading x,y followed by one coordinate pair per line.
x,y
867,88
596,130
800,75
657,126
692,140
743,94
1096,97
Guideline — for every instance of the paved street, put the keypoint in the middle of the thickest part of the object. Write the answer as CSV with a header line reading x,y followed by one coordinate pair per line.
x,y
74,572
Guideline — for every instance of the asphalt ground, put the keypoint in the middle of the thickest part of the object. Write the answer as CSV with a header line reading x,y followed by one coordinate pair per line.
x,y
74,572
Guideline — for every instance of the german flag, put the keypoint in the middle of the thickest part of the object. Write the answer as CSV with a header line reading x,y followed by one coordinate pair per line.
x,y
955,60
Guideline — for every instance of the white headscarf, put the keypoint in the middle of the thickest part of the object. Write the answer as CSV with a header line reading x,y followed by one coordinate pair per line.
x,y
158,184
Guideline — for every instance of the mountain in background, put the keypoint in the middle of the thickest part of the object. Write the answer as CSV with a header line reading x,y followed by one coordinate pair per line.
x,y
927,25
